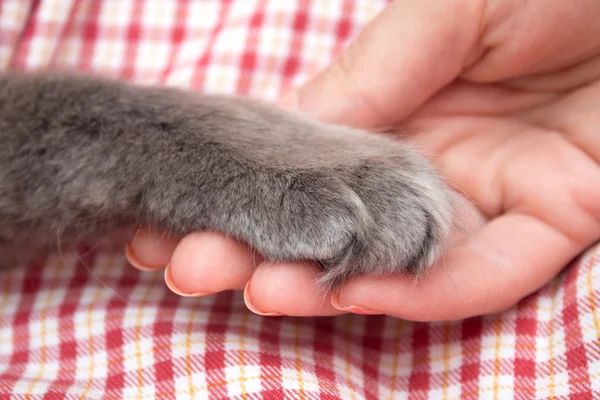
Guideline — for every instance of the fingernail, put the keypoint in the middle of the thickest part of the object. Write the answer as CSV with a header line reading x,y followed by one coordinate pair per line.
x,y
335,301
251,306
171,285
133,260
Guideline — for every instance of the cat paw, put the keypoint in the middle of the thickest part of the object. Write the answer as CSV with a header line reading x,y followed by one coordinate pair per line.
x,y
378,214
297,189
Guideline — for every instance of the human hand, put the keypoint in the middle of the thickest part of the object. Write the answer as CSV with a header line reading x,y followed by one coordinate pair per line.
x,y
503,96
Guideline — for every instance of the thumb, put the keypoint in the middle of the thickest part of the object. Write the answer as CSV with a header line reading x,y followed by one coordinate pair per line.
x,y
406,54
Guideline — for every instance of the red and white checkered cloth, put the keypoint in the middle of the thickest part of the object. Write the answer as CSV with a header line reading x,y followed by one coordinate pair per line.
x,y
85,325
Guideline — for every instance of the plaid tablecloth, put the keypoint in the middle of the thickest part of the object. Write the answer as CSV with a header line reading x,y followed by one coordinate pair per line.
x,y
85,325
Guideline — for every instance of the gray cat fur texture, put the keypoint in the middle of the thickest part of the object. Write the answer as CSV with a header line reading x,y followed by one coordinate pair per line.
x,y
80,155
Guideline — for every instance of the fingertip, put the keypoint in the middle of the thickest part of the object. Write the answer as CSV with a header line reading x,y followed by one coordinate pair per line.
x,y
337,304
149,250
395,296
176,289
133,259
250,304
288,289
210,262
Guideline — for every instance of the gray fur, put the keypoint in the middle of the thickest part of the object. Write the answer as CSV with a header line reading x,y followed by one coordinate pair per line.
x,y
81,155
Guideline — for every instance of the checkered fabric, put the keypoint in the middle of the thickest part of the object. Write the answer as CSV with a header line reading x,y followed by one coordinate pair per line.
x,y
85,325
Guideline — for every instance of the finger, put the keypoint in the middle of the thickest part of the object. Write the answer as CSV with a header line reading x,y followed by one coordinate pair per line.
x,y
508,259
287,289
521,41
150,250
207,262
394,64
465,98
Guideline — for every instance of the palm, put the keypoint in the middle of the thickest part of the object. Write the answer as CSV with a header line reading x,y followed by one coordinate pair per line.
x,y
525,159
498,159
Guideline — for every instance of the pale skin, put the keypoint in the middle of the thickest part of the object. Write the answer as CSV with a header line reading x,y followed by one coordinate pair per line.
x,y
504,96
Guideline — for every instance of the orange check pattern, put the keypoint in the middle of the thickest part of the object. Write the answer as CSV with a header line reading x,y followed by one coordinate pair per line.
x,y
85,325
